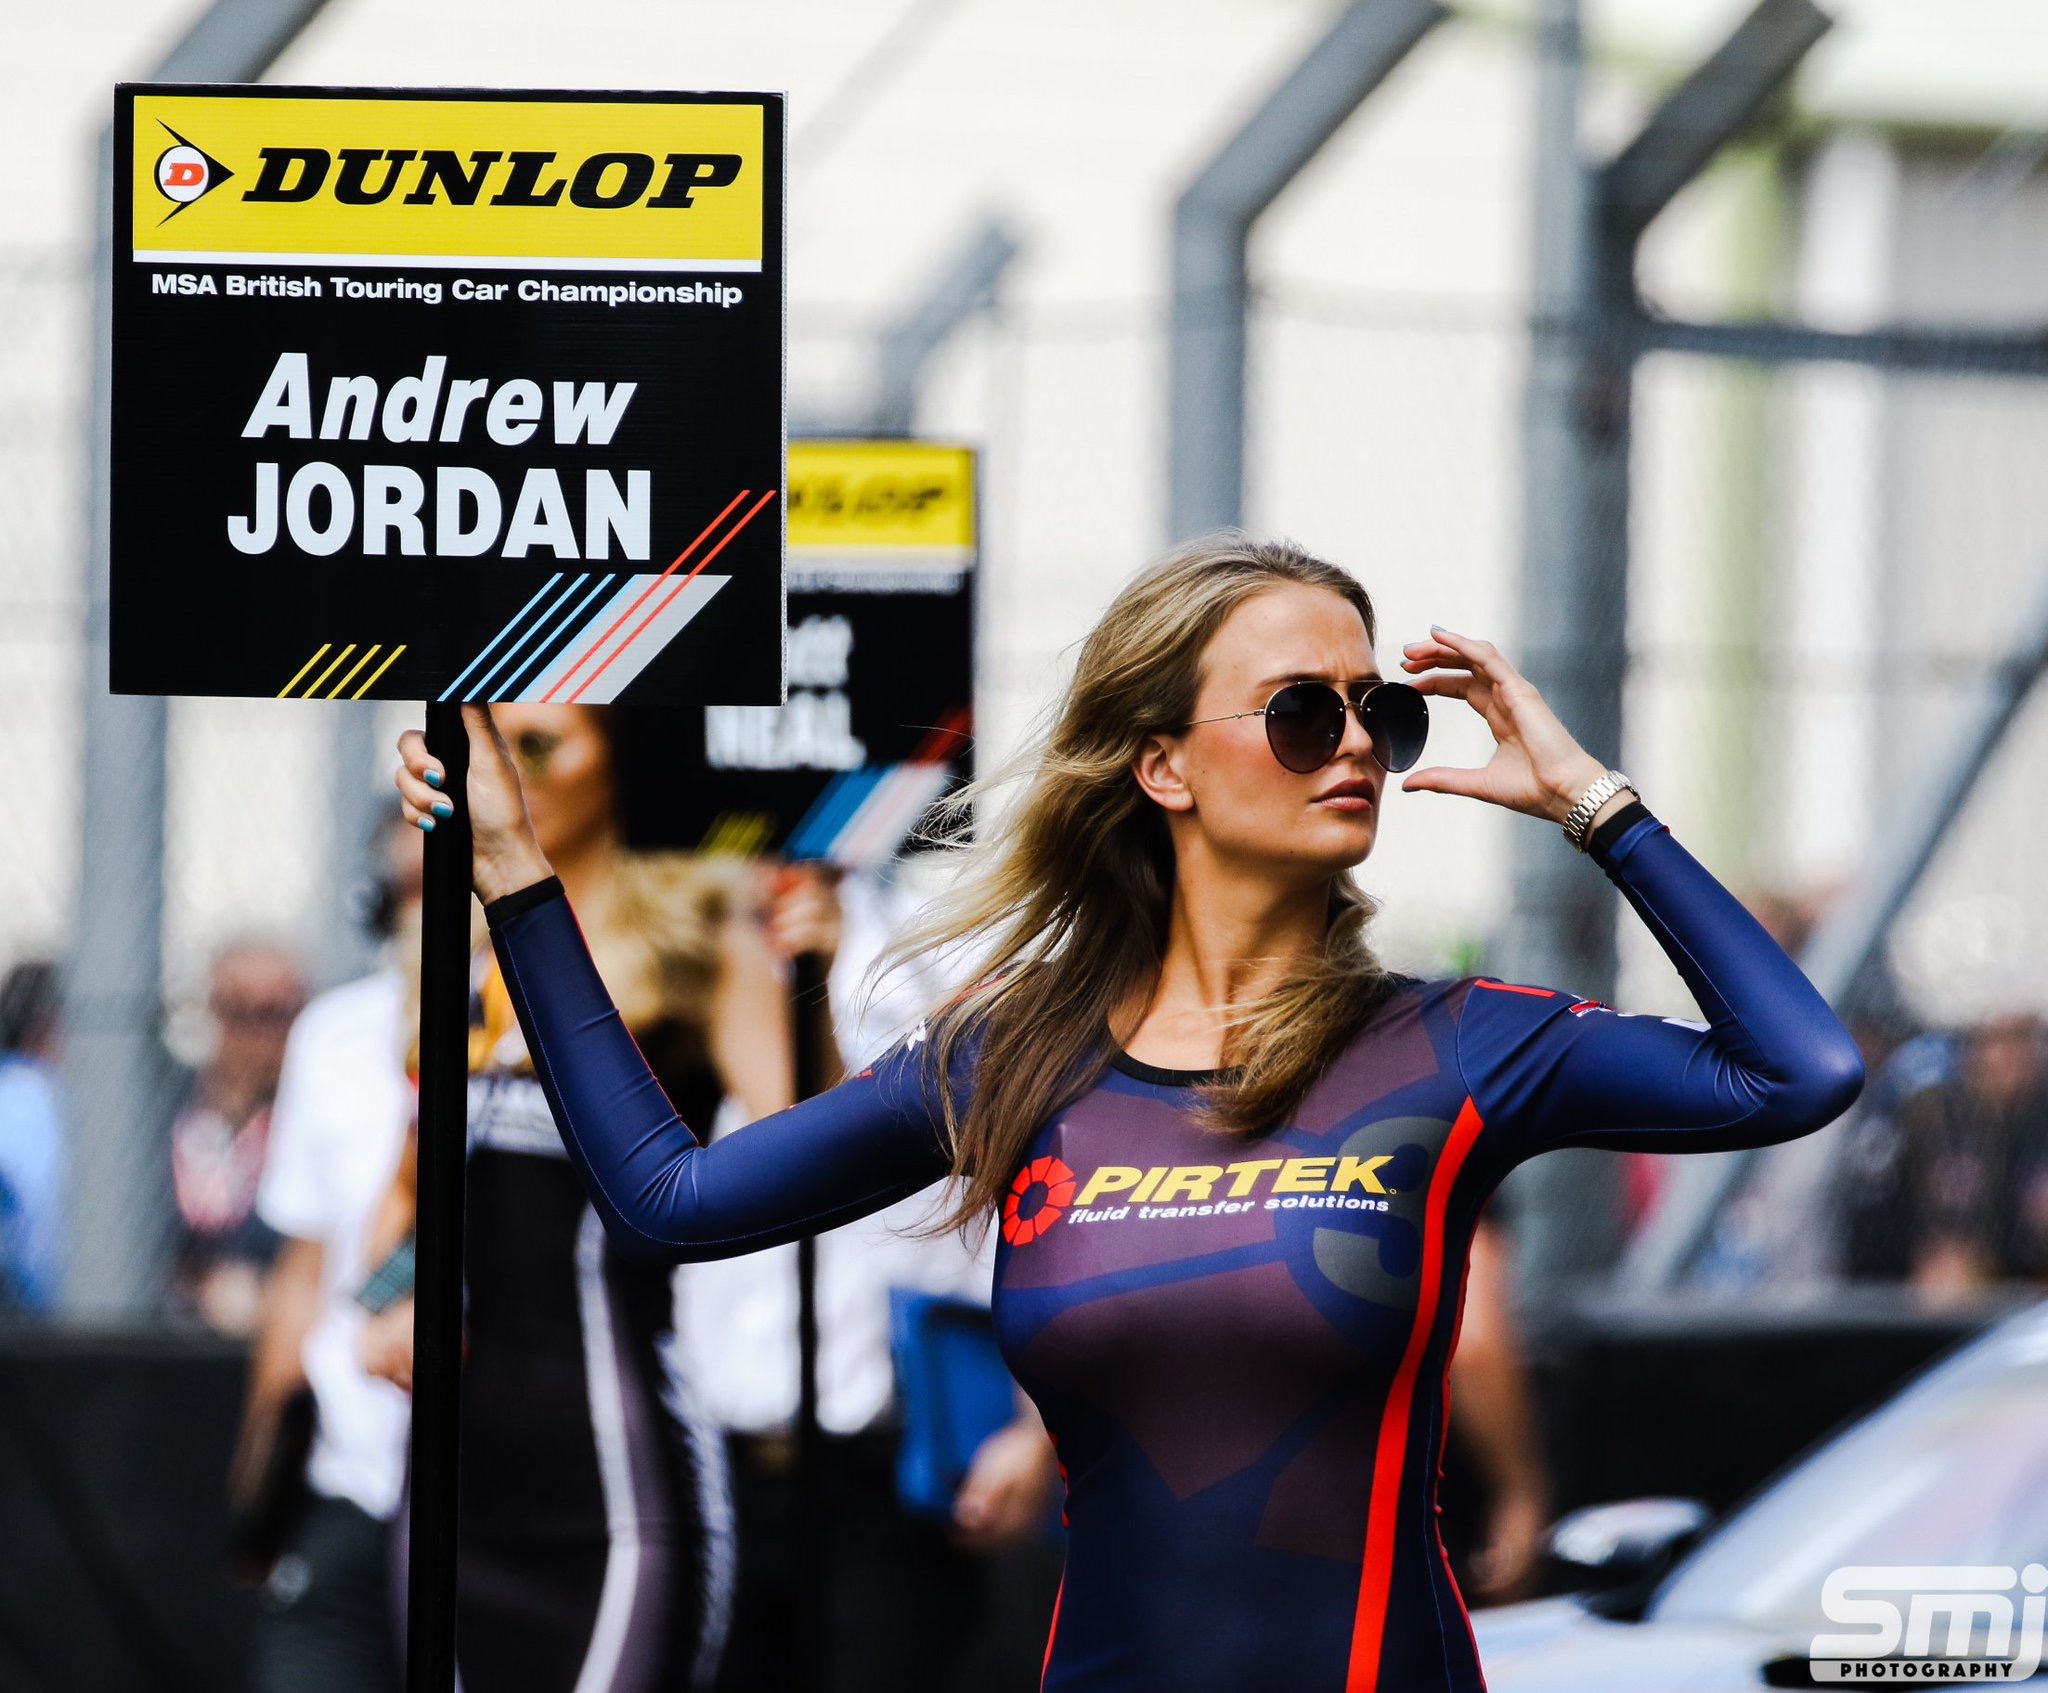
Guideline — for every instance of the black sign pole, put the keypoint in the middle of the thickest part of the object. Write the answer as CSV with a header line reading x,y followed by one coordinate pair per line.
x,y
814,1522
443,1156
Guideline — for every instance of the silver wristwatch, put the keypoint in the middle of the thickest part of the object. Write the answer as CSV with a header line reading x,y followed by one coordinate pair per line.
x,y
1579,819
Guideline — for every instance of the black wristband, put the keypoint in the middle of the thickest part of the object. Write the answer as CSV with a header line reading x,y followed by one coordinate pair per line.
x,y
507,906
1613,828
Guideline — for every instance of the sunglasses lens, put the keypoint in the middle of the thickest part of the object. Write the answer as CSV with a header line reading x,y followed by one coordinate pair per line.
x,y
1397,718
1304,724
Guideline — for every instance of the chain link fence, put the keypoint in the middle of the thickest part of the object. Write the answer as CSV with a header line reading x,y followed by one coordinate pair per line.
x,y
263,851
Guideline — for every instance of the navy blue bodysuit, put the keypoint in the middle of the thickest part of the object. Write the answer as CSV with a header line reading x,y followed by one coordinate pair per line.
x,y
1239,1346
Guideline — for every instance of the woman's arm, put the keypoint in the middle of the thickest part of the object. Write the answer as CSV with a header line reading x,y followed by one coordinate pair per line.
x,y
749,1026
874,1139
752,1028
1771,1062
1546,1068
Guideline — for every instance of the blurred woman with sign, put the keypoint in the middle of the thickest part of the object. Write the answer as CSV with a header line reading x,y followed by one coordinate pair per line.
x,y
594,1535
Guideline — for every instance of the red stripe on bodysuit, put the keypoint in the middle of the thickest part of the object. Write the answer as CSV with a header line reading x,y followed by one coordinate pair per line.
x,y
1442,1441
1052,1633
1368,1628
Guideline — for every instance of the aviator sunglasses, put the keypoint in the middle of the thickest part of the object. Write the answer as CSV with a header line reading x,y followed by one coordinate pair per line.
x,y
1305,723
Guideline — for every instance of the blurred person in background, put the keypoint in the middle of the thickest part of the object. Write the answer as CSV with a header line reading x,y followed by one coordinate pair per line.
x,y
594,1538
1818,1211
1496,1542
915,1601
1975,1162
218,1136
31,1142
1815,1211
1874,1200
312,1498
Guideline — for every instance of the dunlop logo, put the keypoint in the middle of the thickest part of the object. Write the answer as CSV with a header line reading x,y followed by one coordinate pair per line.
x,y
604,182
677,184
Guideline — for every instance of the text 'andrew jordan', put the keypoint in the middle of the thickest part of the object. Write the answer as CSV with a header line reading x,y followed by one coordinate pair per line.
x,y
319,508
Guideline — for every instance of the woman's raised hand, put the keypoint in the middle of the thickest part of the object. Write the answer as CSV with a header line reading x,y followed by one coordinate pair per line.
x,y
803,910
1536,768
506,856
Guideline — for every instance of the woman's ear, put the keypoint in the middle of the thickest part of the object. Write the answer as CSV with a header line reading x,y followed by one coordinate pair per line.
x,y
1157,769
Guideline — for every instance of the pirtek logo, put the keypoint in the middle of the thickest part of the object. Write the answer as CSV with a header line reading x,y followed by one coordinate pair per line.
x,y
1199,1183
526,178
1037,1198
1044,1190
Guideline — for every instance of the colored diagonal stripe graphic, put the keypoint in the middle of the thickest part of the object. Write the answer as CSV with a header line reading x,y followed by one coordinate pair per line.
x,y
585,657
813,837
285,692
333,664
546,657
864,816
312,688
490,646
379,671
513,651
724,541
882,824
356,670
737,833
674,616
556,634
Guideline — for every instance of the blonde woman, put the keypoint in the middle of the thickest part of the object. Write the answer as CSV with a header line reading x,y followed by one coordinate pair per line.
x,y
1235,1162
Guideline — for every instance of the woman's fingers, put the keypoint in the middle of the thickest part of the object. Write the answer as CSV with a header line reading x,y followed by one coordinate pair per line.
x,y
1452,684
1535,759
1483,656
1427,655
1445,779
414,757
419,782
422,779
803,914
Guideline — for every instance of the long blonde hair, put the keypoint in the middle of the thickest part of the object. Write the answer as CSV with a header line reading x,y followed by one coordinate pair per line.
x,y
1073,886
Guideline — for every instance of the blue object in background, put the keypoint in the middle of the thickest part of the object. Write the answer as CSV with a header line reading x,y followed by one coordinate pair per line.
x,y
31,1185
955,1390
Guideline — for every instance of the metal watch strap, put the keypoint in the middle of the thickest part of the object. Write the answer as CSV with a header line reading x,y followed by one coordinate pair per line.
x,y
1579,820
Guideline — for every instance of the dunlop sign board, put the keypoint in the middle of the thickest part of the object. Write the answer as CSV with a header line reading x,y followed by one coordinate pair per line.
x,y
448,395
878,723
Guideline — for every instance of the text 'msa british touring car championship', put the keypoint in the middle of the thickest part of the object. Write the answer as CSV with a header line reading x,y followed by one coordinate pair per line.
x,y
448,395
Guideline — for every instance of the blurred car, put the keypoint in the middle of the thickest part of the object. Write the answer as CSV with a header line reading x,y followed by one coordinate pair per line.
x,y
1952,1470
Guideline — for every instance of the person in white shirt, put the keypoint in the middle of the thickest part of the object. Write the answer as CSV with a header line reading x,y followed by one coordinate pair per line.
x,y
910,1596
344,1106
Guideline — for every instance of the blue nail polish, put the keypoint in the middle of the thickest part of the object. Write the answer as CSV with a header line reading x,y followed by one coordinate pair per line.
x,y
433,778
1434,629
442,808
427,824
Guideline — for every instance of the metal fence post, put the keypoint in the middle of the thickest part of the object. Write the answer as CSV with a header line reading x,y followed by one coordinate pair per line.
x,y
114,1065
1212,224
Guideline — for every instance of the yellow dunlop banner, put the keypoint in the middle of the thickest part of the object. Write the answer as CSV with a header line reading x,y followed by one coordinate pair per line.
x,y
605,183
897,497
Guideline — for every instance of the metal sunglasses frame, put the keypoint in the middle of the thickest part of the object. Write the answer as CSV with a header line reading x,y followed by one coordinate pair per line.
x,y
1352,707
